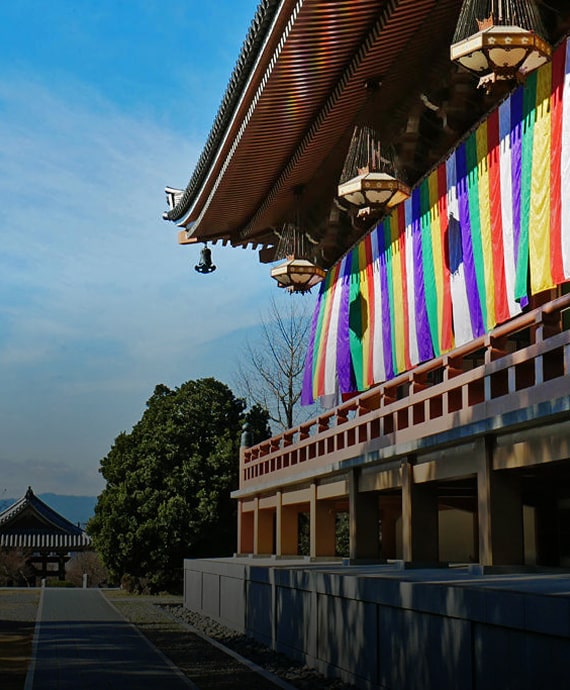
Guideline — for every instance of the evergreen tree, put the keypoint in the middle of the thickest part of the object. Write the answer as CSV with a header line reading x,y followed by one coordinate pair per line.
x,y
169,480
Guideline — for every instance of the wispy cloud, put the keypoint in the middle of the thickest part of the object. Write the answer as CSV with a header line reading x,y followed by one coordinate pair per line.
x,y
47,476
97,301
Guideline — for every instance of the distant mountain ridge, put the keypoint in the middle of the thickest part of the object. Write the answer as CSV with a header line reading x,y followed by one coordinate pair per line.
x,y
77,509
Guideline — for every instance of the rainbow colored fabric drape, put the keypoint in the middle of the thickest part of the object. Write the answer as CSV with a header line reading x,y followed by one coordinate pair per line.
x,y
485,229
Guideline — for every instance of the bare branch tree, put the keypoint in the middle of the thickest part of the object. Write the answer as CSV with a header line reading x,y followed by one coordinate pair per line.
x,y
14,567
86,563
270,372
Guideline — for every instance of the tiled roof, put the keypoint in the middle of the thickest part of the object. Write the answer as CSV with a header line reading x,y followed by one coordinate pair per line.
x,y
291,105
249,53
31,523
29,540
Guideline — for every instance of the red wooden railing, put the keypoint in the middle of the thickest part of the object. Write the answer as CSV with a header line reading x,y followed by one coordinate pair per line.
x,y
523,362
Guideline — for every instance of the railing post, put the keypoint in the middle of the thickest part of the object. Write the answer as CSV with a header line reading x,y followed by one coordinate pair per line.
x,y
487,387
539,338
512,379
445,393
372,414
464,396
323,425
538,370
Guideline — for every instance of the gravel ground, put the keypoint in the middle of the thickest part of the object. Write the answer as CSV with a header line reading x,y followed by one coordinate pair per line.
x,y
294,673
189,651
206,666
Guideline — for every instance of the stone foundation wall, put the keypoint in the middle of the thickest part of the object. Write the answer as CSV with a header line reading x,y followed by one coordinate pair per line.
x,y
381,627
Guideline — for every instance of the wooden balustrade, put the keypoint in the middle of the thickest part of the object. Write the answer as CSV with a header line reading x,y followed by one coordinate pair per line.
x,y
493,374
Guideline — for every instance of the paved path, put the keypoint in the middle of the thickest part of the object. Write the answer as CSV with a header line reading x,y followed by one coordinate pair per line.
x,y
83,643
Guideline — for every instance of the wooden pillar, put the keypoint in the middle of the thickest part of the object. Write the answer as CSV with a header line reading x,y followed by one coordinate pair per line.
x,y
245,526
390,511
420,529
547,527
287,529
279,524
263,530
322,526
363,521
245,530
476,539
501,530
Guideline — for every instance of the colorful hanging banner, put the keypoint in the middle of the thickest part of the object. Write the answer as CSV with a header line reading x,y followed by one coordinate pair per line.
x,y
479,234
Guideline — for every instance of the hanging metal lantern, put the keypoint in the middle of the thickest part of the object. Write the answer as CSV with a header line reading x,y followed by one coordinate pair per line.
x,y
507,43
298,273
369,183
205,264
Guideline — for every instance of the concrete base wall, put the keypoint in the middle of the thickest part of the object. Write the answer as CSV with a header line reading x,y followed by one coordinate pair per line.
x,y
395,629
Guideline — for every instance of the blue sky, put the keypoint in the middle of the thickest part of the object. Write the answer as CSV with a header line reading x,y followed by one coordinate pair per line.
x,y
102,104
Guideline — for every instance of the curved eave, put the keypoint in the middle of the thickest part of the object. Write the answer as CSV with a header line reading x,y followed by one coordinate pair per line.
x,y
30,503
302,98
180,200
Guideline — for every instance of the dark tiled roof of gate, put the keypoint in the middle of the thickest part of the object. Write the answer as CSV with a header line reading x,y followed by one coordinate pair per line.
x,y
43,528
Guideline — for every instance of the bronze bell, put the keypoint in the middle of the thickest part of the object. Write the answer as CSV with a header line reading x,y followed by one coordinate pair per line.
x,y
205,264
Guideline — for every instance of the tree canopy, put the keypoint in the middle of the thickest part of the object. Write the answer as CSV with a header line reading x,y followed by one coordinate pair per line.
x,y
169,480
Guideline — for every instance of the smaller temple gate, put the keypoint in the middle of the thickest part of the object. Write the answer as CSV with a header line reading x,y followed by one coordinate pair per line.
x,y
45,537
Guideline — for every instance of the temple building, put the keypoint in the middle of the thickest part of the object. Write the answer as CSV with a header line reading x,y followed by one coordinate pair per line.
x,y
42,535
410,161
